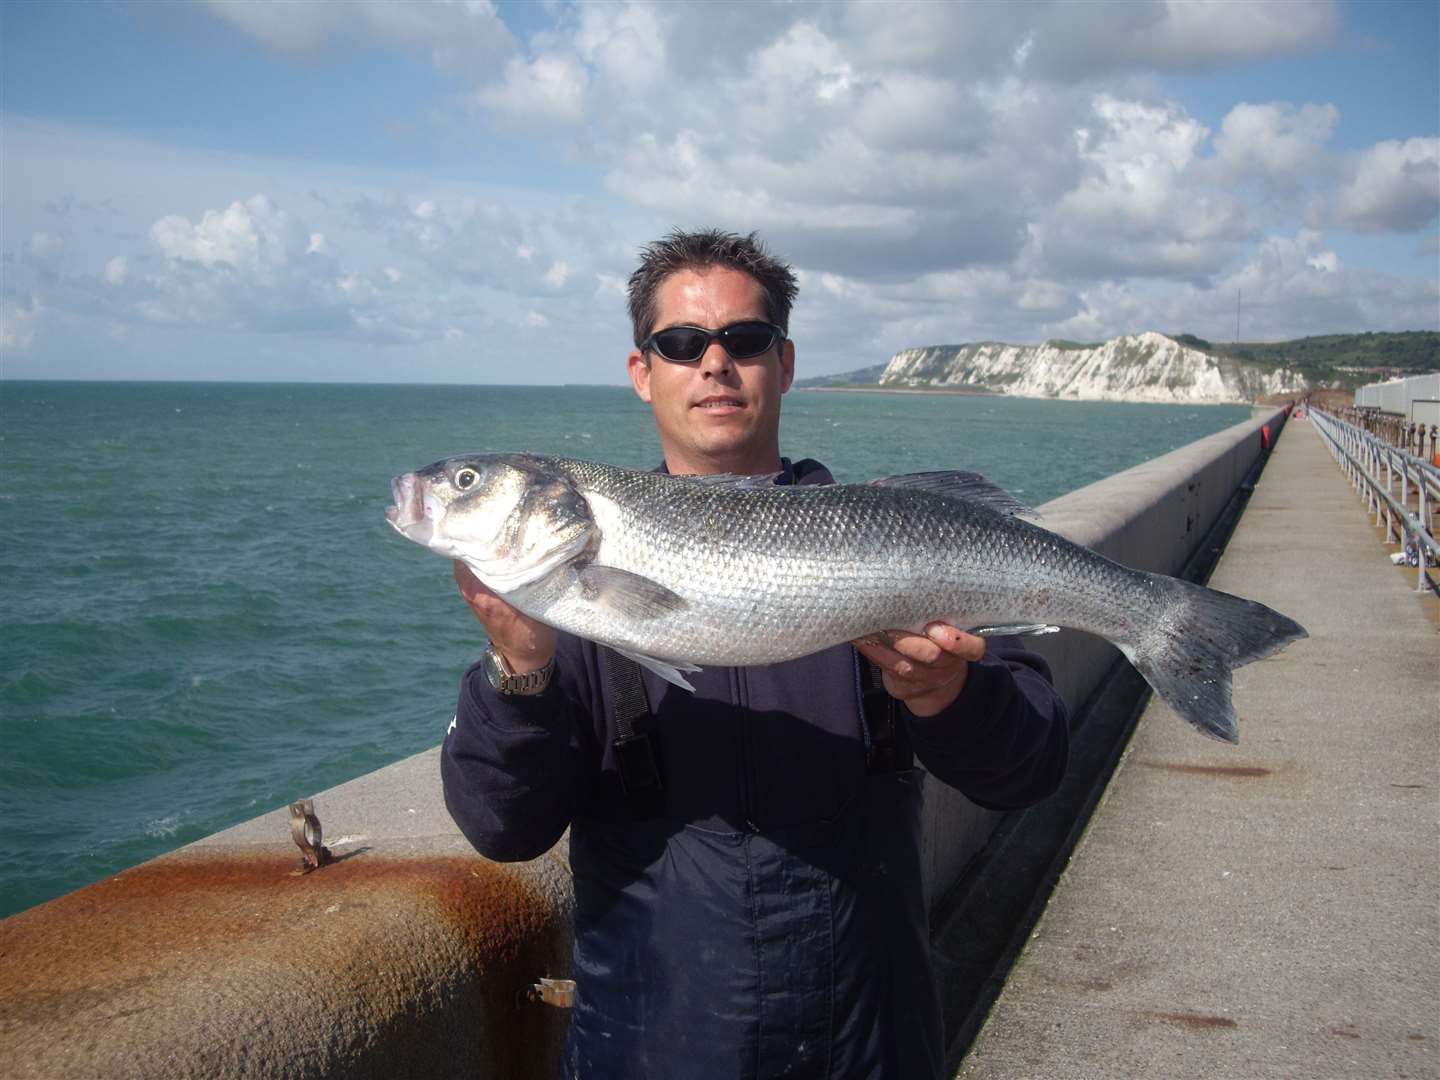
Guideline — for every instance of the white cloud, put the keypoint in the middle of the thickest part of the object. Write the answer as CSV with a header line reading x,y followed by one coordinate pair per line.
x,y
44,246
937,172
558,274
253,235
458,35
17,324
1392,187
548,91
1144,205
1275,139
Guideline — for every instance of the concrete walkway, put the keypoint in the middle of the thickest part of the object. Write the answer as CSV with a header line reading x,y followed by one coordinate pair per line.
x,y
1272,909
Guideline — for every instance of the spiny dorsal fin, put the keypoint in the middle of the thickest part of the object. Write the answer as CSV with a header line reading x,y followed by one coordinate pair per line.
x,y
969,486
763,480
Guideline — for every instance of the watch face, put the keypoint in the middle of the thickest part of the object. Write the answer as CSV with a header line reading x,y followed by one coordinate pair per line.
x,y
532,682
495,669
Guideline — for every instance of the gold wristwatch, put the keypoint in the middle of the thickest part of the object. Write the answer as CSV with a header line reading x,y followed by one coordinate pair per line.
x,y
507,682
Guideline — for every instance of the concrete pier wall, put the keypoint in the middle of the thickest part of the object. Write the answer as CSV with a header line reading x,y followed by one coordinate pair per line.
x,y
410,955
1150,517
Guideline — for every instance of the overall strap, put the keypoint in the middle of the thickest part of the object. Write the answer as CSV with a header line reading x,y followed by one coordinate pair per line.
x,y
634,750
878,718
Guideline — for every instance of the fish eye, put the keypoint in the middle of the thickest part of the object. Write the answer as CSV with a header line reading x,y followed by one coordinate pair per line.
x,y
465,478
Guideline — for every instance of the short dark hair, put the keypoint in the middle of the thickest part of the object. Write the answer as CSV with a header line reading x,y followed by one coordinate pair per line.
x,y
702,249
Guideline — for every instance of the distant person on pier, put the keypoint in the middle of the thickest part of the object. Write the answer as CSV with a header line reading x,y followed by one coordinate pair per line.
x,y
748,883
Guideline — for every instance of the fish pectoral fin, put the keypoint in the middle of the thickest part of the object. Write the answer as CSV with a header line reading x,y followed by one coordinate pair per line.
x,y
1014,630
626,594
969,486
666,670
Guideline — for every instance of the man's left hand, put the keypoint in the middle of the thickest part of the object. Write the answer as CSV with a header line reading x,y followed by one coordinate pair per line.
x,y
926,671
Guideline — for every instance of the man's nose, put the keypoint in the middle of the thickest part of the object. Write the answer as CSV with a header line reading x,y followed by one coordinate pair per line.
x,y
715,359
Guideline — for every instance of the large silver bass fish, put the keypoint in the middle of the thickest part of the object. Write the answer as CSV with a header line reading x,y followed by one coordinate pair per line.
x,y
677,572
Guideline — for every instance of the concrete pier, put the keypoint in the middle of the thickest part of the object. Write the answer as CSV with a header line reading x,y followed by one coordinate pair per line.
x,y
1271,910
1267,910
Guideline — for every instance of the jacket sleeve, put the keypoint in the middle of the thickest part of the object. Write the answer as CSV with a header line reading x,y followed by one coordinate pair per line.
x,y
1005,740
515,769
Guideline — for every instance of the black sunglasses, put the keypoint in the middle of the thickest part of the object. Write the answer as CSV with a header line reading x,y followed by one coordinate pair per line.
x,y
686,344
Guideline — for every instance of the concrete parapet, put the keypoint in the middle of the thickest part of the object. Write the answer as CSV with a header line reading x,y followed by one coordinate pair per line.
x,y
403,957
1150,517
408,955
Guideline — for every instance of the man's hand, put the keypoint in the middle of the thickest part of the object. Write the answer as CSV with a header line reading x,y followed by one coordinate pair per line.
x,y
525,644
926,671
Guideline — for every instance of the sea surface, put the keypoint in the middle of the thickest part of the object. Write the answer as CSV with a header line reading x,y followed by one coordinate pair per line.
x,y
203,614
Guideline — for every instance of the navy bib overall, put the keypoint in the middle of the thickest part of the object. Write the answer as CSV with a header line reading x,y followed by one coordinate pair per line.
x,y
797,952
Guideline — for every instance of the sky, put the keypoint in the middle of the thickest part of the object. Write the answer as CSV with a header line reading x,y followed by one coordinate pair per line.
x,y
378,191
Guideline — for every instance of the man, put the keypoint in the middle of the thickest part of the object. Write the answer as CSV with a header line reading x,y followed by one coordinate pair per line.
x,y
748,883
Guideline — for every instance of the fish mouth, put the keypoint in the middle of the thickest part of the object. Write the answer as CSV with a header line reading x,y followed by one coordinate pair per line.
x,y
408,515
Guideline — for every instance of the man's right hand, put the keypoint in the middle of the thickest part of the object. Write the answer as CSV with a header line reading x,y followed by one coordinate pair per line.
x,y
525,644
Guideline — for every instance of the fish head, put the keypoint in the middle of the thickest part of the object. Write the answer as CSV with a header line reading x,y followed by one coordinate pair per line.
x,y
510,517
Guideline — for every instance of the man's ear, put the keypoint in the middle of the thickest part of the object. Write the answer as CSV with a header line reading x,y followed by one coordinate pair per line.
x,y
787,365
639,368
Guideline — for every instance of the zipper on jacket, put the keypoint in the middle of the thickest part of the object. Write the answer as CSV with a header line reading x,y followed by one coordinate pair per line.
x,y
740,694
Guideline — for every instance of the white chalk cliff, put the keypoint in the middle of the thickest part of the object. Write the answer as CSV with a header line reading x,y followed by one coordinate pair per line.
x,y
1136,367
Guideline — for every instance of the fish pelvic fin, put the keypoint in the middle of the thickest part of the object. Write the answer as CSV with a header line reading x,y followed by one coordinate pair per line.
x,y
1188,655
1014,630
668,671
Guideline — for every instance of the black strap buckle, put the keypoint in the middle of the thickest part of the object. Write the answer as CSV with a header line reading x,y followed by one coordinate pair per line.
x,y
881,720
635,758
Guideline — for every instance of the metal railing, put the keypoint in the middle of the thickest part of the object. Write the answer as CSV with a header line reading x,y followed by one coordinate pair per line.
x,y
1374,467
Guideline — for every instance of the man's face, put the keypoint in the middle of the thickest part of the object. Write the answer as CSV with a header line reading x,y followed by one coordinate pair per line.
x,y
717,414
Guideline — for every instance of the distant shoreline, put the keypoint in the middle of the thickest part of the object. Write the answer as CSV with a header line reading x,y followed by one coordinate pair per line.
x,y
965,391
971,392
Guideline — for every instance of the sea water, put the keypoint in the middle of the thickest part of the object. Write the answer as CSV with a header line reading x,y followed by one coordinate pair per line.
x,y
203,614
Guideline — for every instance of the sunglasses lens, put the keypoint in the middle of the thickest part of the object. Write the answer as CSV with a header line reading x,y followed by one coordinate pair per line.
x,y
747,339
681,344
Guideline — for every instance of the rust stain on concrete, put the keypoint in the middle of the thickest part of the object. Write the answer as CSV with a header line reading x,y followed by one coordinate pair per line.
x,y
164,919
1192,1020
1240,771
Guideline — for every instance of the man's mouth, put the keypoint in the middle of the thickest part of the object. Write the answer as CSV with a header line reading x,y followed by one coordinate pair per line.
x,y
719,403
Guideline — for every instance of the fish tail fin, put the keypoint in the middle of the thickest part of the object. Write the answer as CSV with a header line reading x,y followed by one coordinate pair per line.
x,y
1187,655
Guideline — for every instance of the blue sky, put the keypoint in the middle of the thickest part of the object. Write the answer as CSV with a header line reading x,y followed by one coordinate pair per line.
x,y
448,192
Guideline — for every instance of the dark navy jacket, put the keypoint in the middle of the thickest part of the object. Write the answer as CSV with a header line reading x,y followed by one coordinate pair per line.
x,y
753,866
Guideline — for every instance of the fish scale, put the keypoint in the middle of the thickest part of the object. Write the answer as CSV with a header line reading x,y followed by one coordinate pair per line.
x,y
684,571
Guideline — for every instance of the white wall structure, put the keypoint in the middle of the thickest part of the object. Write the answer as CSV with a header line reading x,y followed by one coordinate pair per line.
x,y
1401,397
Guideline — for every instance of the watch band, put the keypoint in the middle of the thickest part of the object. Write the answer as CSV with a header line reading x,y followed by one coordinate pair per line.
x,y
506,681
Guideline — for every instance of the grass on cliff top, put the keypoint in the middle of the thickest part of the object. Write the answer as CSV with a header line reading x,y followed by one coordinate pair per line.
x,y
1347,360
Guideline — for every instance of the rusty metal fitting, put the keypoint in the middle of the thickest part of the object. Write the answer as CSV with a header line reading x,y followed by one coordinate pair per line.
x,y
557,992
305,830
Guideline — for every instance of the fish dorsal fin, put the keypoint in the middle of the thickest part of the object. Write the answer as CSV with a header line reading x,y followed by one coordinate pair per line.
x,y
969,486
732,480
626,594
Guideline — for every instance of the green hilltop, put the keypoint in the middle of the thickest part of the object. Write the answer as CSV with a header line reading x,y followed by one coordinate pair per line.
x,y
1344,360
